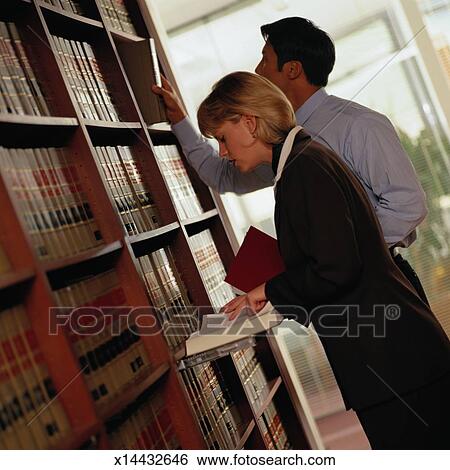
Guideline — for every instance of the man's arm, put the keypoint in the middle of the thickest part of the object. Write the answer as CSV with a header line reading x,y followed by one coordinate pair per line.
x,y
218,173
384,166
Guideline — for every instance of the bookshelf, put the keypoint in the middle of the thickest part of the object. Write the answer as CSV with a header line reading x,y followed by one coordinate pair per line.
x,y
99,211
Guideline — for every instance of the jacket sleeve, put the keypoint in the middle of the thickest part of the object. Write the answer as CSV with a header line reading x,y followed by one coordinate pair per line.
x,y
218,173
333,263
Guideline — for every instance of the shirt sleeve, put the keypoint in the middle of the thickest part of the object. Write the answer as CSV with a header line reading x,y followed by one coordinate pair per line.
x,y
333,263
216,172
386,169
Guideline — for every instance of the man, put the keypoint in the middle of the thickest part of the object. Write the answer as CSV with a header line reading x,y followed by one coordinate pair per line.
x,y
298,57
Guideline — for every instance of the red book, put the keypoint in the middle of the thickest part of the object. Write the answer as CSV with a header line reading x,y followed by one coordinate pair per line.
x,y
257,261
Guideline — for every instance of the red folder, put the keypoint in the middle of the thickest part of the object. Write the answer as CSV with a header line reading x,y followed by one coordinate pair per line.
x,y
257,261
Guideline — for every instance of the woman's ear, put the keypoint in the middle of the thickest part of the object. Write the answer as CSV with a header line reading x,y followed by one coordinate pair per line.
x,y
249,122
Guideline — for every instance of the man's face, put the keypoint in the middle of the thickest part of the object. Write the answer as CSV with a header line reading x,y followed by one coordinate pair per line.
x,y
268,67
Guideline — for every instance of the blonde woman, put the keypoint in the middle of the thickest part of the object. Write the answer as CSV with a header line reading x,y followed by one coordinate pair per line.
x,y
389,354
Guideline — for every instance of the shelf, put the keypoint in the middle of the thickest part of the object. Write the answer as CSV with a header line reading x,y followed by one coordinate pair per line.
x,y
246,434
131,391
62,21
78,437
160,127
58,264
94,124
25,120
123,36
200,218
199,223
13,9
111,132
42,131
161,134
8,280
267,396
14,287
153,240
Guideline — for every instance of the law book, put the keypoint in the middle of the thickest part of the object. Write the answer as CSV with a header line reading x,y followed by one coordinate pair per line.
x,y
177,178
36,219
257,261
111,14
117,14
17,72
9,72
136,57
107,103
38,101
119,190
211,267
34,427
141,193
86,71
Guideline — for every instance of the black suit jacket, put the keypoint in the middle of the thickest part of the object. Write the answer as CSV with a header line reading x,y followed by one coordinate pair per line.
x,y
335,255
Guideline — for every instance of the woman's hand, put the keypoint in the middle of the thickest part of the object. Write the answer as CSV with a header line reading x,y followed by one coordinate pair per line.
x,y
174,108
253,300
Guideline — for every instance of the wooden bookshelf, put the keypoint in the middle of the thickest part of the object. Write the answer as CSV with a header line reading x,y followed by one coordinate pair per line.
x,y
36,281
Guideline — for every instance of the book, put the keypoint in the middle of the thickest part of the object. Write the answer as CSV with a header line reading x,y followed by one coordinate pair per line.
x,y
140,67
176,176
211,268
257,261
217,331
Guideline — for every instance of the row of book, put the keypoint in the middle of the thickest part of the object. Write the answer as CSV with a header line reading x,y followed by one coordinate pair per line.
x,y
86,79
71,6
4,261
177,179
133,200
20,91
252,374
216,413
143,424
211,268
168,295
51,201
31,417
103,336
117,15
272,428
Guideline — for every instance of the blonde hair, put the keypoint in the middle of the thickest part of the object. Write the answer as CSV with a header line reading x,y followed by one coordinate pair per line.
x,y
245,93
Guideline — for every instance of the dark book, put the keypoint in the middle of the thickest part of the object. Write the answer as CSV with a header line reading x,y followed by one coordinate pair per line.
x,y
137,59
257,261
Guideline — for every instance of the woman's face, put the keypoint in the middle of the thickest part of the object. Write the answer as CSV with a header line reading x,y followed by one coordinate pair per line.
x,y
237,144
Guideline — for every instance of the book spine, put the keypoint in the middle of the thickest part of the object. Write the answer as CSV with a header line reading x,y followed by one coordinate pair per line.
x,y
37,98
9,72
114,184
103,90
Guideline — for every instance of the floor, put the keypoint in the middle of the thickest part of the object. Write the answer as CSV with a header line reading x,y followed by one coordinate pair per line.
x,y
342,431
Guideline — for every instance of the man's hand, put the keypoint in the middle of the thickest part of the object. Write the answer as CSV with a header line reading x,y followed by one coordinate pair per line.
x,y
174,108
254,301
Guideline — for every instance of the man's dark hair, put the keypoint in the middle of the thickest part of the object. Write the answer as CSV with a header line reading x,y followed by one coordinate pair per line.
x,y
300,39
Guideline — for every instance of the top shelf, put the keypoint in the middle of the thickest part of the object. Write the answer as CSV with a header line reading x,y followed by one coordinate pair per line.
x,y
123,36
70,25
70,15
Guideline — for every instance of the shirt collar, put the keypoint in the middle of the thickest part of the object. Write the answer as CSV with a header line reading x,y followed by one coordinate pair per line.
x,y
310,105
